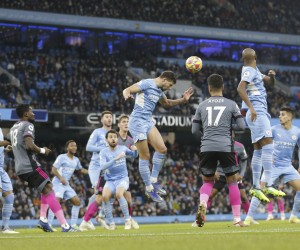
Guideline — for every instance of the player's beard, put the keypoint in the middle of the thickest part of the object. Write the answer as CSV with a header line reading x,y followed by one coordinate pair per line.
x,y
113,144
32,120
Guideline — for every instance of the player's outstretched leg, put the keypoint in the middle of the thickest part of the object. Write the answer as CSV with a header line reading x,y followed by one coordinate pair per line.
x,y
267,162
43,222
205,192
145,174
158,162
253,206
256,173
6,213
54,205
235,201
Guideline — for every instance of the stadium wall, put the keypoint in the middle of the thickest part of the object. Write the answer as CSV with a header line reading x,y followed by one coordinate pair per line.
x,y
35,17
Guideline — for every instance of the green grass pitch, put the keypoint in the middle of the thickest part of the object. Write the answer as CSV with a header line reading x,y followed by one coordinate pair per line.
x,y
271,235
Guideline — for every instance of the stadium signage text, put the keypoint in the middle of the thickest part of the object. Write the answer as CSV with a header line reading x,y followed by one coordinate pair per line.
x,y
161,120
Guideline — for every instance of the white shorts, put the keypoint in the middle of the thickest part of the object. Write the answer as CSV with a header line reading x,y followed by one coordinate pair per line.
x,y
286,173
113,185
94,175
261,127
5,182
64,192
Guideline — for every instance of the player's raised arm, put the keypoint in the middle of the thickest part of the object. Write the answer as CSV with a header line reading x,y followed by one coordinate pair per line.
x,y
270,78
184,99
128,92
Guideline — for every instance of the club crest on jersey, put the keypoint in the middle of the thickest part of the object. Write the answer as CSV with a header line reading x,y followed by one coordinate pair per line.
x,y
268,132
246,73
294,137
141,136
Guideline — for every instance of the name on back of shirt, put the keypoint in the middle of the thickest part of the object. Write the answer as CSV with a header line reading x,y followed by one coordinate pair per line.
x,y
216,100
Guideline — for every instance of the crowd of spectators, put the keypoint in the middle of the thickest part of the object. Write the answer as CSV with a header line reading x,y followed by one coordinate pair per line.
x,y
266,16
74,79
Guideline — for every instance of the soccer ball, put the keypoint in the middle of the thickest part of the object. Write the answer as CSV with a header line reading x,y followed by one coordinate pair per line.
x,y
193,64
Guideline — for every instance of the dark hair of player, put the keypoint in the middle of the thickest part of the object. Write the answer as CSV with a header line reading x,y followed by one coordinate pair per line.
x,y
168,75
105,113
288,110
215,81
68,142
112,131
22,109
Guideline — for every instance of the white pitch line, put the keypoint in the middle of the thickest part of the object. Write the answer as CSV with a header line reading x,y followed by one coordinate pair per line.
x,y
72,235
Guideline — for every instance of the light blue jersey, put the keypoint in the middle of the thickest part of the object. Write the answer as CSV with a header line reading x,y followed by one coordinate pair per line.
x,y
1,150
115,169
146,99
95,144
140,120
284,145
5,182
255,88
66,167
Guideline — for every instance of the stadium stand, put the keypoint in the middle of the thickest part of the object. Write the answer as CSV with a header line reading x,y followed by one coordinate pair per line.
x,y
281,17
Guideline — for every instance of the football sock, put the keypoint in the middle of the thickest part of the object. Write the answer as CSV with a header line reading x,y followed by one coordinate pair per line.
x,y
256,167
158,162
267,162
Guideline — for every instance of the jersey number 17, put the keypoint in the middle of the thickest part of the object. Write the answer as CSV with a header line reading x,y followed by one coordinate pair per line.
x,y
210,118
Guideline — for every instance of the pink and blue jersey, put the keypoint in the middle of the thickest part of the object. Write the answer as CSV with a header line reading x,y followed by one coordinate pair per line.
x,y
255,88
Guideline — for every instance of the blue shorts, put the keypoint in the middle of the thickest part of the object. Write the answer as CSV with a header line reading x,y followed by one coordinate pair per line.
x,y
261,127
139,128
64,192
94,173
286,173
5,182
113,185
